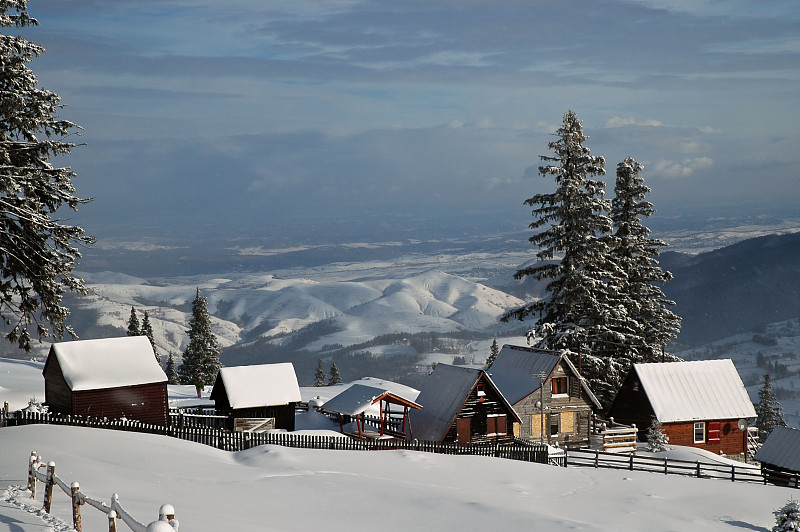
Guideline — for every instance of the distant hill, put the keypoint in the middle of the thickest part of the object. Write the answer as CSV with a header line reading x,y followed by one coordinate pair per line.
x,y
735,289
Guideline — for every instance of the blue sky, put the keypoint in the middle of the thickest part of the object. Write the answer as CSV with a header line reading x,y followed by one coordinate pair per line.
x,y
266,117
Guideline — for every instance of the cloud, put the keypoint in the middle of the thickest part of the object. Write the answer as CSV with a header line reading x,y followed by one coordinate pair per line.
x,y
621,121
682,169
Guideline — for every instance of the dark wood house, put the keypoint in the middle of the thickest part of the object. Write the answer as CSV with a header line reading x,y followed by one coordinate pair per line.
x,y
779,456
553,401
106,378
462,405
257,397
699,403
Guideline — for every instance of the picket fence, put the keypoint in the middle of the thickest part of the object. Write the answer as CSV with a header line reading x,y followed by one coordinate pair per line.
x,y
113,510
238,441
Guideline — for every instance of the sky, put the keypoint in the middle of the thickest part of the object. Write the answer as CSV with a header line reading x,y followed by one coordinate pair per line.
x,y
279,488
345,117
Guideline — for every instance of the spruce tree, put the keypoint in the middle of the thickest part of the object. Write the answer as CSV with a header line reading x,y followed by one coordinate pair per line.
x,y
787,518
768,411
574,244
335,377
494,350
651,324
172,373
37,251
133,324
201,357
319,375
656,438
147,330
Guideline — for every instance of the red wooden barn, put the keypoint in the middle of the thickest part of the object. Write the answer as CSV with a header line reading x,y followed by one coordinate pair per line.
x,y
106,378
699,403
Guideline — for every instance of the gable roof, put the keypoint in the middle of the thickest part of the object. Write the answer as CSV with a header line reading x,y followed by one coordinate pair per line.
x,y
516,371
358,398
442,396
782,449
259,385
107,363
696,390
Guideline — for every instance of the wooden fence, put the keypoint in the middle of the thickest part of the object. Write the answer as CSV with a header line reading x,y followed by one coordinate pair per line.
x,y
668,466
113,510
238,441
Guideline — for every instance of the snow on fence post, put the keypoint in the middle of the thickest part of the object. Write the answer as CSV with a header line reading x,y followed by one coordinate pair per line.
x,y
48,489
76,505
112,521
167,513
32,463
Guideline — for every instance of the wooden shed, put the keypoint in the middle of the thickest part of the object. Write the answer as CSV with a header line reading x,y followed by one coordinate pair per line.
x,y
462,405
106,378
387,412
698,403
779,456
553,401
257,397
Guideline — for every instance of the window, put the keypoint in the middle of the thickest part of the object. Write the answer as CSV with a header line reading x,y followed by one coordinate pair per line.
x,y
559,386
700,432
714,431
554,419
496,425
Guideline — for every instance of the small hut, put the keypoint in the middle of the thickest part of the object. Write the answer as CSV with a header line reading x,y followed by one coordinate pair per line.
x,y
388,419
106,378
780,457
257,397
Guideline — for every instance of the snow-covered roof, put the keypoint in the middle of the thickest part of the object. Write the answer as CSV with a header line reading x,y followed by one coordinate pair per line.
x,y
107,363
358,398
696,390
782,449
260,385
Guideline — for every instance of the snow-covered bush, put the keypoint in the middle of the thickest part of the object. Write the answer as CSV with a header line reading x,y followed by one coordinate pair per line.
x,y
787,519
656,438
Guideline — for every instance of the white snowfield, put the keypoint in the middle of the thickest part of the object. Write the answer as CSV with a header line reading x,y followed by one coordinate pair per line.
x,y
275,488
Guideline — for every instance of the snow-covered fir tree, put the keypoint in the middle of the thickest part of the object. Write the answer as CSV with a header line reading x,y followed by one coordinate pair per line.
x,y
574,243
651,324
768,410
37,250
787,518
494,350
657,439
319,375
171,371
201,357
335,378
133,324
147,330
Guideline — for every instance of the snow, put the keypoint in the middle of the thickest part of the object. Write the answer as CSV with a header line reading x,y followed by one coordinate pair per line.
x,y
276,488
108,363
260,385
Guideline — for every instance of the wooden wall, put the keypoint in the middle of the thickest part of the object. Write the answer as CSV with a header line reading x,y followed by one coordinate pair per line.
x,y
731,439
477,410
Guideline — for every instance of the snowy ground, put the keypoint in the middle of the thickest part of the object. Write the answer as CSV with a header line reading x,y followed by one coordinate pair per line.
x,y
274,488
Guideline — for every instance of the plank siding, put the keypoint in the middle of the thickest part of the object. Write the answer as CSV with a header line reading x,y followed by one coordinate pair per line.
x,y
145,402
731,442
476,409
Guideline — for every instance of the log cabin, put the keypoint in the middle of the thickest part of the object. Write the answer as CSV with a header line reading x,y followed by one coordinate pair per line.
x,y
106,378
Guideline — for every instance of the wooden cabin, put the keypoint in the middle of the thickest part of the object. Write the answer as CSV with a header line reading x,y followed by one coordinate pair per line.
x,y
462,405
386,412
553,401
698,403
779,456
257,397
106,378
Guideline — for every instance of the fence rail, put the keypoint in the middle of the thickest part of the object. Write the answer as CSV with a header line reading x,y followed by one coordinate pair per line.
x,y
112,510
669,466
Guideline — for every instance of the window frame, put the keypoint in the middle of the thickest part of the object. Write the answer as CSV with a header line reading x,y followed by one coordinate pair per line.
x,y
554,387
701,427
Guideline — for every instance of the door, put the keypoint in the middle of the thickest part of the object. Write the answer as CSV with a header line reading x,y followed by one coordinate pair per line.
x,y
463,430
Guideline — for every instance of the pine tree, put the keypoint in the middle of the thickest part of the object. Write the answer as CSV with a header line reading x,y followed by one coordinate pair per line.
x,y
580,313
335,377
494,350
768,410
37,252
147,330
651,325
319,375
133,324
201,357
787,518
656,438
172,373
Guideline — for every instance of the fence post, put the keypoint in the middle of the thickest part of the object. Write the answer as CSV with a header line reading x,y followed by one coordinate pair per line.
x,y
630,463
76,506
32,474
112,521
596,459
698,469
733,473
48,489
666,466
